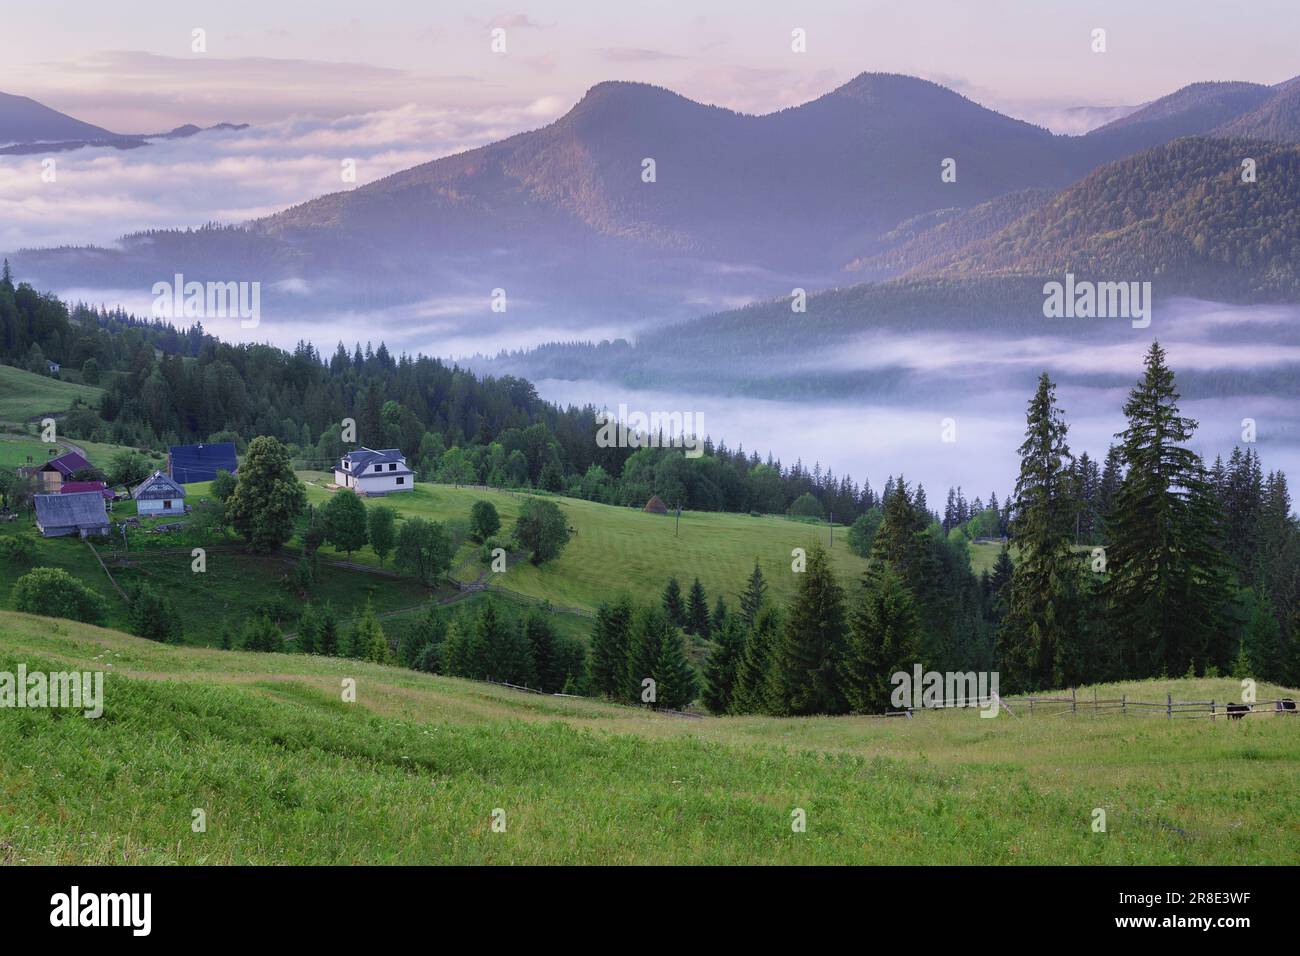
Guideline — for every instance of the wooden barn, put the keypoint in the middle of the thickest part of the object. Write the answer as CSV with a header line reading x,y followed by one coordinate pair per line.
x,y
51,475
158,495
81,513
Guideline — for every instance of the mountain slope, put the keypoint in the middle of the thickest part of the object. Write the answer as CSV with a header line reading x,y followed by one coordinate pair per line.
x,y
785,189
1276,119
561,217
1194,110
23,120
1179,212
740,208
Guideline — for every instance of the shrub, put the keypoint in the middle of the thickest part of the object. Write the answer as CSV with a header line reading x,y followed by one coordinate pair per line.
x,y
154,616
54,592
483,520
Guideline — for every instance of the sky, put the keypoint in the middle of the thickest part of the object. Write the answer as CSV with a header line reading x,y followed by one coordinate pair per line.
x,y
130,66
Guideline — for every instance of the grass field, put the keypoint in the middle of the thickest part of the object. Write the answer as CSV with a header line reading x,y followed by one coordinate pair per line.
x,y
234,587
24,395
624,550
15,448
286,772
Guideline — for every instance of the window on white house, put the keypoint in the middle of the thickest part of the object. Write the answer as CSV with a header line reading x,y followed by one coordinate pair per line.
x,y
379,467
167,504
392,468
401,481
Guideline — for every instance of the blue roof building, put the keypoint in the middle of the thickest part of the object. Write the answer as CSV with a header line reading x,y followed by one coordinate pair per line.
x,y
189,463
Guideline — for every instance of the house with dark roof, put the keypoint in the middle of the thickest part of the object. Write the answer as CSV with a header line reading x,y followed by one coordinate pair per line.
x,y
51,475
158,495
75,487
370,472
190,463
81,513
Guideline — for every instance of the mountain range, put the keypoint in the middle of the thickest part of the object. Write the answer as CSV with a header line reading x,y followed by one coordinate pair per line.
x,y
28,127
844,188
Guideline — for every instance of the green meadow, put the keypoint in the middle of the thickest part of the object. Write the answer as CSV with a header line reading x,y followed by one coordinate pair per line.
x,y
624,550
25,395
285,771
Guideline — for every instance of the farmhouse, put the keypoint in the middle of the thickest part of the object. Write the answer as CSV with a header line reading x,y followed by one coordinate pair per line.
x,y
370,472
188,463
159,495
51,475
75,487
81,513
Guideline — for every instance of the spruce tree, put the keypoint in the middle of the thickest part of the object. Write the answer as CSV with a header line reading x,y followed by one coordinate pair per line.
x,y
308,630
720,672
675,681
752,598
718,619
610,646
697,611
651,629
756,689
327,635
1166,583
1042,610
455,649
812,643
546,663
673,604
884,638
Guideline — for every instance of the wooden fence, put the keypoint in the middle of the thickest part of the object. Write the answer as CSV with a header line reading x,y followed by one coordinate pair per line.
x,y
1168,709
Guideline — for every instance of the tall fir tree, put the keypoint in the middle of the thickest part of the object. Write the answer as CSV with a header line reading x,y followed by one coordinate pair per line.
x,y
546,662
752,598
1042,618
1166,583
756,689
610,646
884,639
720,672
674,606
697,611
812,642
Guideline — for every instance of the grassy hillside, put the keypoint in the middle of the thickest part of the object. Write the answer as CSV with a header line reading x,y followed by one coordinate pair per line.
x,y
24,395
15,449
411,773
626,550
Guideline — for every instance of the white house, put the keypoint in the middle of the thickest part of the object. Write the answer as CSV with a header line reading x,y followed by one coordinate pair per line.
x,y
158,495
370,472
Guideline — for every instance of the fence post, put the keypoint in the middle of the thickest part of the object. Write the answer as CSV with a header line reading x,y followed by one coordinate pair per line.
x,y
1123,704
1094,699
1169,706
1031,707
1073,702
1212,708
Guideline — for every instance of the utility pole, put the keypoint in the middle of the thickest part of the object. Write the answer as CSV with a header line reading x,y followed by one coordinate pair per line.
x,y
678,525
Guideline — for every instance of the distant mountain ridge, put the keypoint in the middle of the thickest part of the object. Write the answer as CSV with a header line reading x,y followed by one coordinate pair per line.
x,y
28,127
639,201
23,120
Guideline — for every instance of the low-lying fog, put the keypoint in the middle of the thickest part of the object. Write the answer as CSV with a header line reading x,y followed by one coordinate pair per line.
x,y
1232,363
